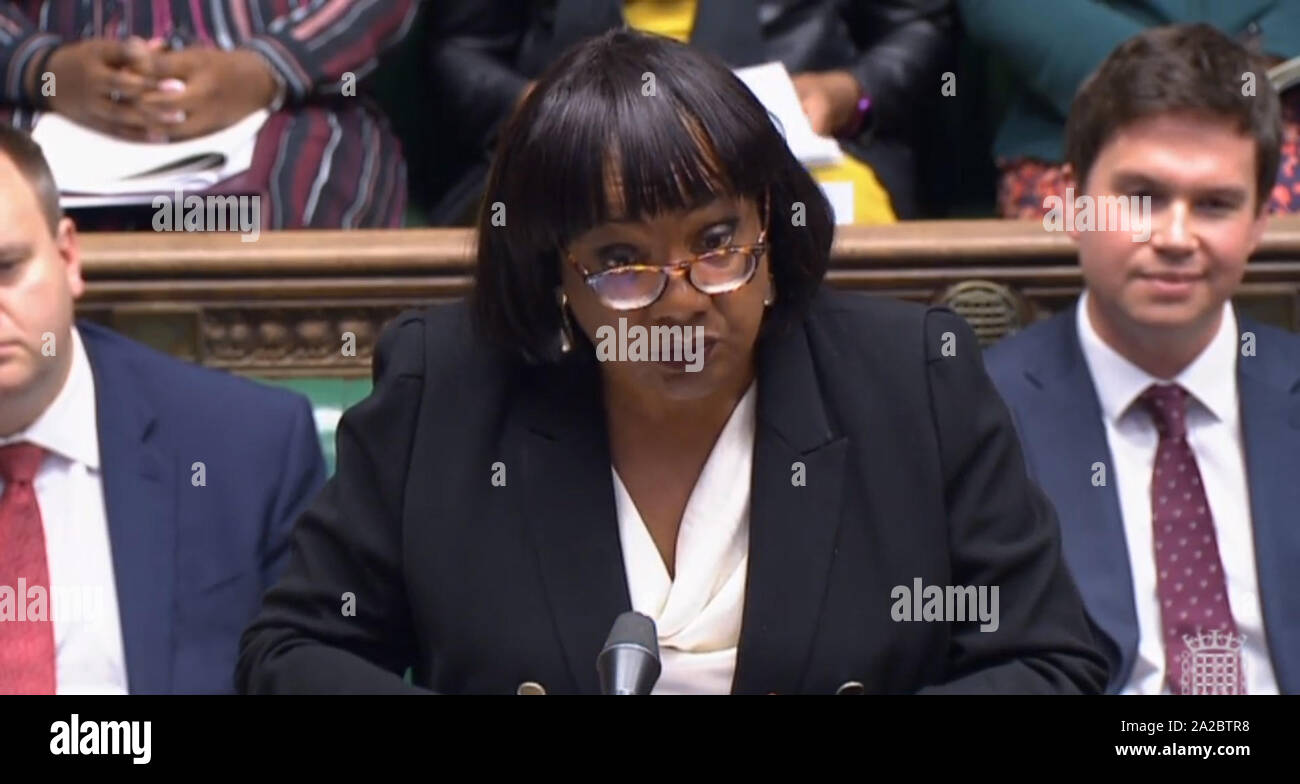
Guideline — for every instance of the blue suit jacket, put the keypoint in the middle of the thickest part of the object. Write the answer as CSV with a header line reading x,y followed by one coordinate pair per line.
x,y
191,560
1044,378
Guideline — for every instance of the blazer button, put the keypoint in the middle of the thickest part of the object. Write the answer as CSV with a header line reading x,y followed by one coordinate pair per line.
x,y
530,687
851,687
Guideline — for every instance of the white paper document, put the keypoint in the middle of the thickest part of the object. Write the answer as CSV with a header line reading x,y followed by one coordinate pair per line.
x,y
1285,75
840,195
771,84
94,168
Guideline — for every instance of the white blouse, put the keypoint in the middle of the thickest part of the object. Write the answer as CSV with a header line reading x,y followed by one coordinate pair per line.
x,y
697,612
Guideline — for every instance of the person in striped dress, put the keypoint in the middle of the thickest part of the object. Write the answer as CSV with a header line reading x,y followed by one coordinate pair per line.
x,y
168,70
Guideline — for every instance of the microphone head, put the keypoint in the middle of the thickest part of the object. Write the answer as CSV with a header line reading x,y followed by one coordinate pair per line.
x,y
633,628
629,662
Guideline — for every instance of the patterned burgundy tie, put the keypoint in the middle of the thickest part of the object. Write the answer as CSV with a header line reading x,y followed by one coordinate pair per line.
x,y
1202,647
26,643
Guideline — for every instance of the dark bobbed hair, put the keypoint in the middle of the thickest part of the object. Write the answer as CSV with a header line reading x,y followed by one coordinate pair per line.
x,y
672,127
1177,68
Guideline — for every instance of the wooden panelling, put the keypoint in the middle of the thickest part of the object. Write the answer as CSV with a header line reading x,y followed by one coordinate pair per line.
x,y
286,303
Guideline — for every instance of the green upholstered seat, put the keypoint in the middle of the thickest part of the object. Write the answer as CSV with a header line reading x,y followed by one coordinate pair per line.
x,y
329,397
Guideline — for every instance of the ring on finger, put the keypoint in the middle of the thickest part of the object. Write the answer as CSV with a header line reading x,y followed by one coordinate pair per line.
x,y
115,95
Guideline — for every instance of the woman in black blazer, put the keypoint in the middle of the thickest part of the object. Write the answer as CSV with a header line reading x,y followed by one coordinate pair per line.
x,y
834,490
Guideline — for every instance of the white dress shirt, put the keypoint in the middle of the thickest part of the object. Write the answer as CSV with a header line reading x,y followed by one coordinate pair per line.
x,y
697,612
82,602
1214,434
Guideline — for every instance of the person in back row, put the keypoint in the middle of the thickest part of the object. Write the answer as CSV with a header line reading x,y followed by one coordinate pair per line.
x,y
1049,48
160,71
860,70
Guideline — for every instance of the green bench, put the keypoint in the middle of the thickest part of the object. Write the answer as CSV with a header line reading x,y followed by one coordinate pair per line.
x,y
329,397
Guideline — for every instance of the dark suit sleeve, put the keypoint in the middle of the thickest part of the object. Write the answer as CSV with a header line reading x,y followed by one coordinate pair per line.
x,y
1003,532
471,64
303,475
903,42
348,545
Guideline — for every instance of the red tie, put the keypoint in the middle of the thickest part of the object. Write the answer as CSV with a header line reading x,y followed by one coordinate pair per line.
x,y
26,644
1202,647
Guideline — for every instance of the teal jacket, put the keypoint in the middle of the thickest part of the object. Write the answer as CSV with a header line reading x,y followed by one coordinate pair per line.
x,y
1051,46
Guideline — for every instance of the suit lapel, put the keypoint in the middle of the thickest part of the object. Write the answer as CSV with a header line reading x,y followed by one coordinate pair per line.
x,y
570,511
1269,388
1065,433
140,499
792,528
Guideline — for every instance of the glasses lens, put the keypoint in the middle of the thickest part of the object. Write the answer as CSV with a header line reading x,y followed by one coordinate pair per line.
x,y
627,289
723,272
630,289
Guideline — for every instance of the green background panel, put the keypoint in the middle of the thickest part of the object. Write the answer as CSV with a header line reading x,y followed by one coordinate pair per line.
x,y
329,397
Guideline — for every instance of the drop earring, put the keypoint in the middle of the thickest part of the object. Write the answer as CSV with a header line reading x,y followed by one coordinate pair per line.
x,y
566,329
771,292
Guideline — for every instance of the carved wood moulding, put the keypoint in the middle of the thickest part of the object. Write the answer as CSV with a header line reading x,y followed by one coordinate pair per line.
x,y
286,304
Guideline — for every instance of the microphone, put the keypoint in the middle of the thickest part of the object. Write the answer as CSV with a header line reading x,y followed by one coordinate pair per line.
x,y
629,662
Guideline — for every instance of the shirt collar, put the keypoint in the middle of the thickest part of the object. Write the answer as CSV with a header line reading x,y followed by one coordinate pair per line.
x,y
68,427
1210,378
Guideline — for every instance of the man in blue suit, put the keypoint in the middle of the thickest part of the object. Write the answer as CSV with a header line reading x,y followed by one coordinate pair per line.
x,y
146,503
1164,424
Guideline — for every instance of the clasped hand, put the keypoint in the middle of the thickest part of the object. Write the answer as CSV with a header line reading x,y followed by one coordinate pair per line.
x,y
136,89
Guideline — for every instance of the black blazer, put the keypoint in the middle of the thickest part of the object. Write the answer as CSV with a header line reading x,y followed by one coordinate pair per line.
x,y
912,469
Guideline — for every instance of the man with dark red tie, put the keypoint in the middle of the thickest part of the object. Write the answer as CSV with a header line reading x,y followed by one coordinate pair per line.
x,y
1162,422
145,503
